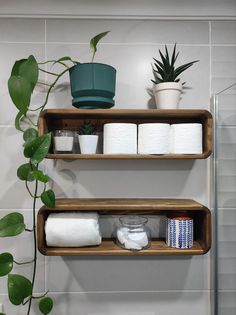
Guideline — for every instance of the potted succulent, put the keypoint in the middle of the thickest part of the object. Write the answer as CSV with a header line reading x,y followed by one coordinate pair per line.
x,y
167,86
88,140
92,84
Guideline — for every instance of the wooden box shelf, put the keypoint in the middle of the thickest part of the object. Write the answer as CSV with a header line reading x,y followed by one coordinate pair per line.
x,y
200,214
72,119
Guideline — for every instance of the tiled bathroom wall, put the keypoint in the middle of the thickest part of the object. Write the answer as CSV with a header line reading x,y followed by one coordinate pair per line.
x,y
101,285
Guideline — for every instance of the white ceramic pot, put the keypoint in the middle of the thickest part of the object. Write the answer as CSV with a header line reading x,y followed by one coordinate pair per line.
x,y
88,144
167,94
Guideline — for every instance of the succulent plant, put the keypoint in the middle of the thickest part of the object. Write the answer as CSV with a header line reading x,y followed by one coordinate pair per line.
x,y
165,70
87,129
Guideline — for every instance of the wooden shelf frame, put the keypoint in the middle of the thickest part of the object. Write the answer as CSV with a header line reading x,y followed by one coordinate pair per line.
x,y
72,119
200,214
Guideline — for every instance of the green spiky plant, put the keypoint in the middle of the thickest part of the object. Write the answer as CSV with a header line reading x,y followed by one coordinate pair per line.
x,y
87,129
164,70
21,85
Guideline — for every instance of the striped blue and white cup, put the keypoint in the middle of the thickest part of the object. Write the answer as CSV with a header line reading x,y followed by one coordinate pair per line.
x,y
179,232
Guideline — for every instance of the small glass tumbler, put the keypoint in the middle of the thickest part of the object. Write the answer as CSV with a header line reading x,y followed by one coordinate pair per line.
x,y
63,141
133,234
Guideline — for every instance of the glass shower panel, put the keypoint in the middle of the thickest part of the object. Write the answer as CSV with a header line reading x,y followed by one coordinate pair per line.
x,y
225,201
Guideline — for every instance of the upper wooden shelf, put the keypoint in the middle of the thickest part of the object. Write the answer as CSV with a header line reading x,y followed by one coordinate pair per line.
x,y
72,119
200,214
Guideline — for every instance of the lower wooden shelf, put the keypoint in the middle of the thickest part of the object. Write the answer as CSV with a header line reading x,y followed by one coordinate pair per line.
x,y
109,248
200,214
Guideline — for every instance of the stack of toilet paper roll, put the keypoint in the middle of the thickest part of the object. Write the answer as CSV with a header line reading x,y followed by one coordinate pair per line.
x,y
158,138
72,229
153,138
120,138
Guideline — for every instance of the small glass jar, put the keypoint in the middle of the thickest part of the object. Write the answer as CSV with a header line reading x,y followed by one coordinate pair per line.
x,y
63,141
132,234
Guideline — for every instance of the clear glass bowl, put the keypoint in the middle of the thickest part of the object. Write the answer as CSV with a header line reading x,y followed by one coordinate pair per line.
x,y
132,234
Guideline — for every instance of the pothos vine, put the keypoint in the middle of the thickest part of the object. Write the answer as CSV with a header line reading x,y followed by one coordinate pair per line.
x,y
21,85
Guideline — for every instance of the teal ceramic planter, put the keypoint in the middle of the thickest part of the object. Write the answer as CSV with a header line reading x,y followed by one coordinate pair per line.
x,y
93,85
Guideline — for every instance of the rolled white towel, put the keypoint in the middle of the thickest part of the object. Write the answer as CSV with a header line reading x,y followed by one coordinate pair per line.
x,y
186,138
153,138
120,138
72,229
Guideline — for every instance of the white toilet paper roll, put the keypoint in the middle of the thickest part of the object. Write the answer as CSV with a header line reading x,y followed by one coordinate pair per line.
x,y
153,138
120,138
186,138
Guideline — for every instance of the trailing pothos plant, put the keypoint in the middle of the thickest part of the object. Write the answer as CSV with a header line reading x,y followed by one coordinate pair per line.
x,y
21,85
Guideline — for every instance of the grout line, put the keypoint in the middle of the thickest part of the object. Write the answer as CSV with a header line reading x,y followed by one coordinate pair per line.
x,y
140,292
121,17
128,44
228,209
22,42
7,126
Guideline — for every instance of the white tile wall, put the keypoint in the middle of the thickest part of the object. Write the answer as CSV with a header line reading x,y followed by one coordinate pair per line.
x,y
98,286
223,74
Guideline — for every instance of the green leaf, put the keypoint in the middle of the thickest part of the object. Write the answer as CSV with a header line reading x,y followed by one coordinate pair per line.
x,y
2,314
46,305
94,41
20,92
184,67
38,148
30,134
18,118
16,68
29,71
12,224
40,176
48,198
24,172
62,59
6,264
19,288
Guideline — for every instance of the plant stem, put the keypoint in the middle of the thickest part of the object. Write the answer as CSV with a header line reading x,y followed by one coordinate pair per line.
x,y
29,230
41,108
48,72
24,263
35,243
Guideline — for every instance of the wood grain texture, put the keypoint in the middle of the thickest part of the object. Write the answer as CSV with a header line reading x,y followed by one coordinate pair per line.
x,y
200,214
72,119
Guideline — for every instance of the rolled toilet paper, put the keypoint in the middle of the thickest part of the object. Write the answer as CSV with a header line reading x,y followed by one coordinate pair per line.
x,y
72,229
120,138
186,138
153,138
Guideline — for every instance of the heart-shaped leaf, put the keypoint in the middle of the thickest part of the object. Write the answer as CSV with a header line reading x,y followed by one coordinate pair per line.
x,y
29,71
12,224
46,305
19,288
30,134
24,172
6,264
94,41
40,176
48,198
38,148
20,92
16,68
